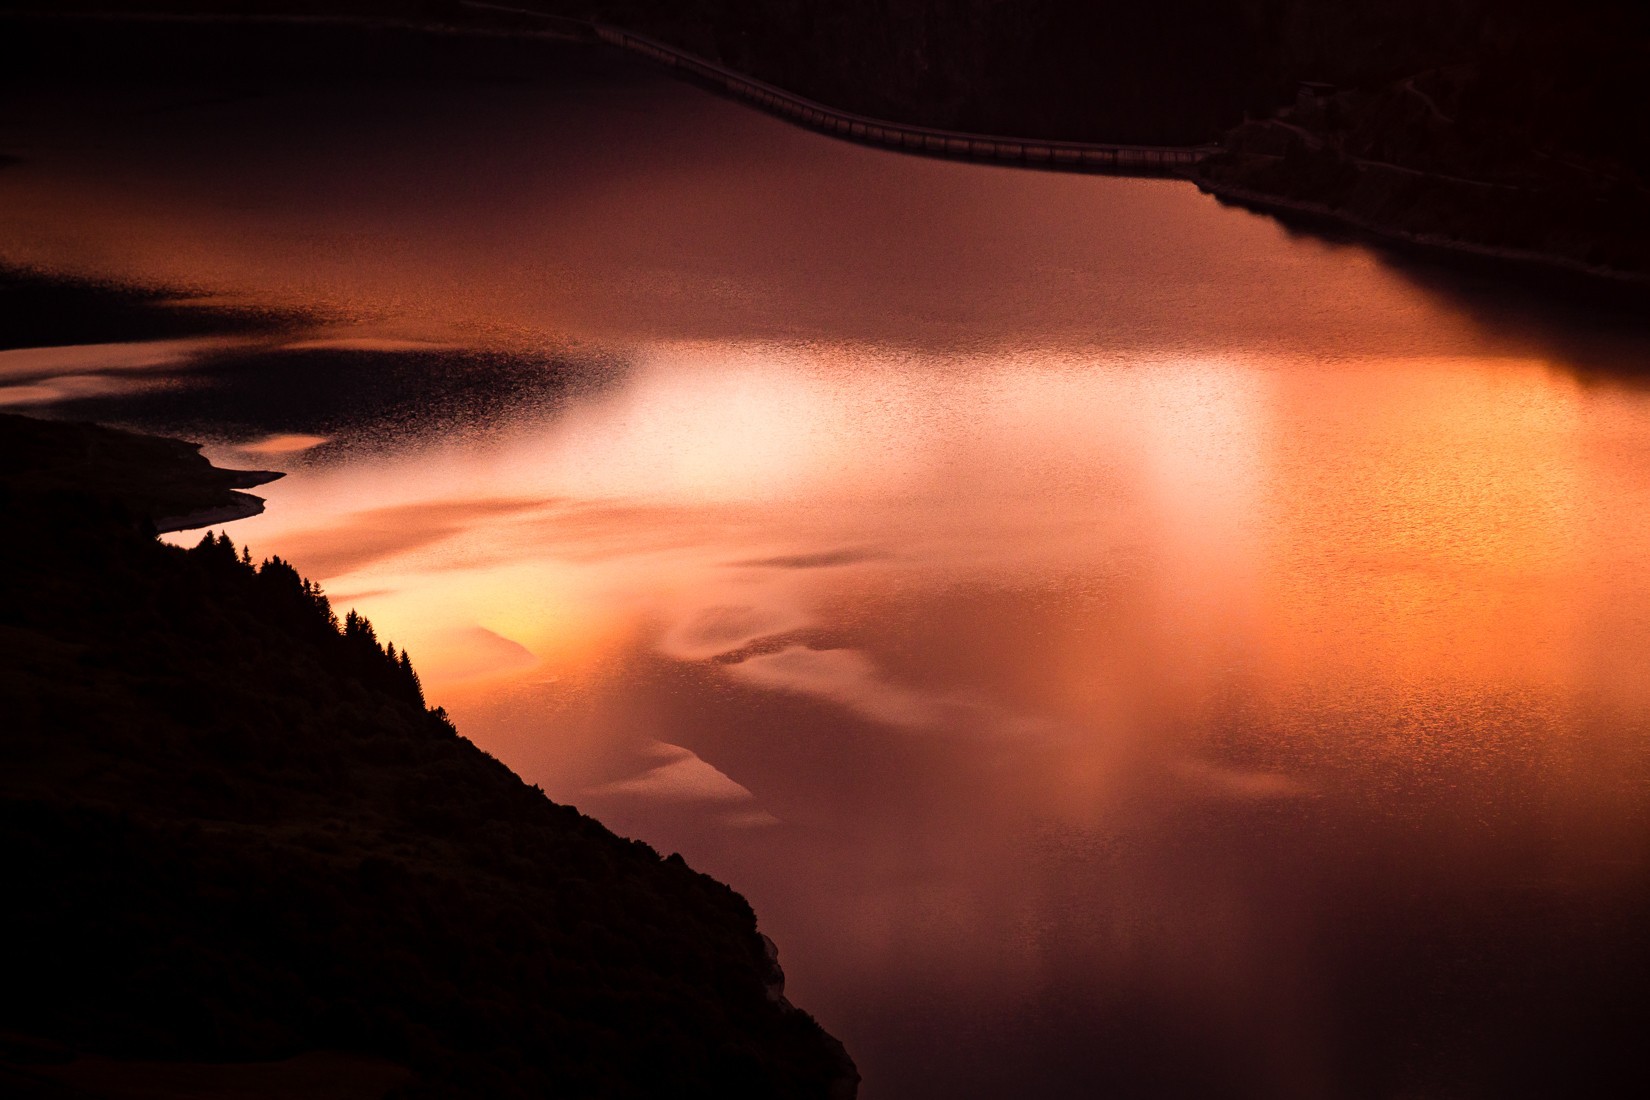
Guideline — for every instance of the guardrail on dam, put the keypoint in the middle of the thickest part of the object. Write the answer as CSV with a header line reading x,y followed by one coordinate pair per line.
x,y
1133,160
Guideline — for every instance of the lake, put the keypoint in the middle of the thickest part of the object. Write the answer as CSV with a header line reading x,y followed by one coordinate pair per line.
x,y
1118,646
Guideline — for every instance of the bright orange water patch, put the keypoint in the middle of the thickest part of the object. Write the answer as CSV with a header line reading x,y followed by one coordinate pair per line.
x,y
1103,635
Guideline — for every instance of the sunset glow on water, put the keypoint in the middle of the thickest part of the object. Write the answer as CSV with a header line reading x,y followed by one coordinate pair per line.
x,y
1085,621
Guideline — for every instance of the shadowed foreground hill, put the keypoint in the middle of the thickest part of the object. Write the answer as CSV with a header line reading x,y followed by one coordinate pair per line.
x,y
231,831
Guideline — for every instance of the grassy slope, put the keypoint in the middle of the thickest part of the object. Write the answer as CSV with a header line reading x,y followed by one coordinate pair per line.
x,y
232,831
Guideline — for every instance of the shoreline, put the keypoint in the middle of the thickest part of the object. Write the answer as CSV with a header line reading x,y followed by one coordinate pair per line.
x,y
226,665
225,704
159,480
1138,162
245,507
1088,157
494,20
1131,160
1520,265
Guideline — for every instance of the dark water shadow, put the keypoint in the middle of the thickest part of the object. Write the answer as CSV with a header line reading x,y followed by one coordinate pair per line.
x,y
352,396
42,309
258,384
1597,331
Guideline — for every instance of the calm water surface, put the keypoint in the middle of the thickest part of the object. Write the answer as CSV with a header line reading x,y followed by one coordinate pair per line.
x,y
1117,647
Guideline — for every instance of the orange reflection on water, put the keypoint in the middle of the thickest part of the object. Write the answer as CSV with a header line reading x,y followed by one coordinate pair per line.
x,y
1115,645
938,630
1397,526
1454,512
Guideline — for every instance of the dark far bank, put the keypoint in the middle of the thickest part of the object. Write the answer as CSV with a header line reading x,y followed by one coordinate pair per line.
x,y
1502,134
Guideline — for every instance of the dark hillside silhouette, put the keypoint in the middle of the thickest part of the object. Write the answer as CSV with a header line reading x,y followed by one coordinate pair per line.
x,y
42,310
232,832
